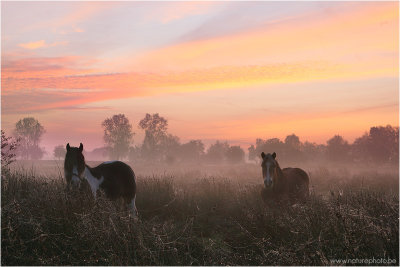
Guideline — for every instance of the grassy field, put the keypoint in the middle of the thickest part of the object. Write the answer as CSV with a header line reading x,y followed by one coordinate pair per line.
x,y
193,218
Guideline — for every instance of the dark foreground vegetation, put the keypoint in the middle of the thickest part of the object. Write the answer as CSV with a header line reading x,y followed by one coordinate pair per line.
x,y
200,220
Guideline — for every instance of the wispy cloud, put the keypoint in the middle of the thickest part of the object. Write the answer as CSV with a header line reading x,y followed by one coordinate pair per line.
x,y
122,85
237,14
33,45
172,11
40,44
77,13
77,29
100,87
323,38
39,67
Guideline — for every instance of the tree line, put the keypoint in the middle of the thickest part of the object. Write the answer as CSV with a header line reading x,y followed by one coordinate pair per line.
x,y
379,145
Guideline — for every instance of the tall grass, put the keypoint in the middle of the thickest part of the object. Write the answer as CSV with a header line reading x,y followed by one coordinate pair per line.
x,y
199,220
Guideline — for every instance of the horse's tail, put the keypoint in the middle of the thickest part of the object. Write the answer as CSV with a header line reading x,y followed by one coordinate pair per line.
x,y
306,185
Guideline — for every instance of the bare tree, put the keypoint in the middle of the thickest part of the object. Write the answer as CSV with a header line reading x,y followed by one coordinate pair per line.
x,y
29,131
118,135
8,147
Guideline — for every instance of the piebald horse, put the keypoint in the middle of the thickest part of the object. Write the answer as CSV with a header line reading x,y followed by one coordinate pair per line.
x,y
291,183
115,178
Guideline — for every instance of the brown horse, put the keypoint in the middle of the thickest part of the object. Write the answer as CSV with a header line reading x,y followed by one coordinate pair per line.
x,y
291,183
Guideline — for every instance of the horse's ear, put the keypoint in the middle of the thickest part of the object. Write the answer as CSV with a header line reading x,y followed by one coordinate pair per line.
x,y
68,147
81,147
274,155
262,155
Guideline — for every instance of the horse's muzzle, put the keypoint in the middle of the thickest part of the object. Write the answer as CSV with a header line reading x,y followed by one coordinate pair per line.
x,y
75,180
267,184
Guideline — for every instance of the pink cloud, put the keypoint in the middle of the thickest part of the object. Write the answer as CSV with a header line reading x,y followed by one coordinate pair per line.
x,y
40,67
100,87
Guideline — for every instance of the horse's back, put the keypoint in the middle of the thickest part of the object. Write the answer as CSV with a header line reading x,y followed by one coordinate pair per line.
x,y
296,174
119,179
297,181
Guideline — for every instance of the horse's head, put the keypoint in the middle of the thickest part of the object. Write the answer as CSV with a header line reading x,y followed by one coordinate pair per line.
x,y
74,165
269,166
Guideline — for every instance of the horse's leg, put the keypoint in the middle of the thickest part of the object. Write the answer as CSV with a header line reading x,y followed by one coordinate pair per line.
x,y
264,196
304,193
68,188
132,207
301,194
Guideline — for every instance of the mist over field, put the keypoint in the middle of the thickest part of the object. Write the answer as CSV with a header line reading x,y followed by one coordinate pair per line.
x,y
201,215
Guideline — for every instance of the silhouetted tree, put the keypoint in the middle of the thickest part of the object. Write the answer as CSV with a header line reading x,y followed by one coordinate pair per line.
x,y
360,149
59,151
380,145
155,128
117,135
337,149
8,148
99,153
312,151
192,151
253,153
235,154
170,147
293,141
155,125
269,146
384,143
134,154
293,148
29,131
216,153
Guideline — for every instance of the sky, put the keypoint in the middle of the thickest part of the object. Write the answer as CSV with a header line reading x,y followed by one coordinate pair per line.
x,y
232,71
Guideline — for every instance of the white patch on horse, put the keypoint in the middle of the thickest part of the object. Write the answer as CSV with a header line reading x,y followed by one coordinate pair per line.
x,y
75,178
109,162
267,179
93,181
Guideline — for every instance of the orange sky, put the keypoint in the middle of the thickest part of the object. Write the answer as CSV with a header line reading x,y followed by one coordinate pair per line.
x,y
232,71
